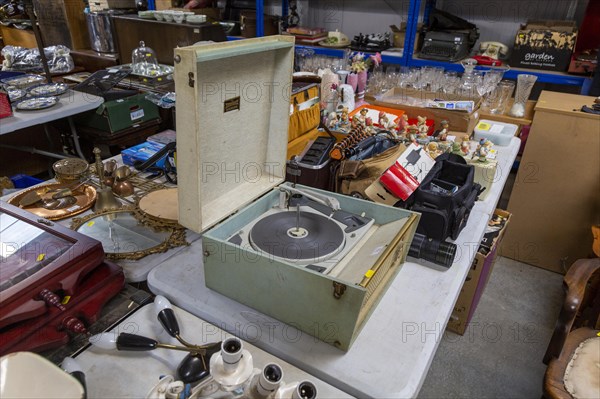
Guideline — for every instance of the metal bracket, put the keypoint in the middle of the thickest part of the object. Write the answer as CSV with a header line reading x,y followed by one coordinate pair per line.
x,y
191,79
338,289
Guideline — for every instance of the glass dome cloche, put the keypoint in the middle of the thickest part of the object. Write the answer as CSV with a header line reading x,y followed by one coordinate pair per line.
x,y
143,60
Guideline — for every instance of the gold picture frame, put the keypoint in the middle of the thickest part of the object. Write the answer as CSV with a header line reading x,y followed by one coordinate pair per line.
x,y
133,234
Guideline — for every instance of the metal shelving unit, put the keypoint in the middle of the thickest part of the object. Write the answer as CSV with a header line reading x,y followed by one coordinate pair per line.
x,y
410,59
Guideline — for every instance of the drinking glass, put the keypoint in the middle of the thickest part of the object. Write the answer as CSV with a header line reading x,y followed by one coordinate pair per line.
x,y
500,97
525,83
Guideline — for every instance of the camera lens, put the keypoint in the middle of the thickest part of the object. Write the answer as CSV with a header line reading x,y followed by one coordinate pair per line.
x,y
439,252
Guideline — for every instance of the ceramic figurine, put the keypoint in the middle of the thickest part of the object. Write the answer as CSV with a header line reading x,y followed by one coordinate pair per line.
x,y
481,153
333,120
442,134
422,125
344,121
433,149
456,148
465,145
360,119
387,124
412,133
483,149
403,127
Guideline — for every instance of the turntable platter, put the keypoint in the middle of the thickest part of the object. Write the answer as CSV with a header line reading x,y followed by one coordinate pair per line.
x,y
317,238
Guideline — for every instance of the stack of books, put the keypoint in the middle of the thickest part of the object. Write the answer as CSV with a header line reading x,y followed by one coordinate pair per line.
x,y
309,36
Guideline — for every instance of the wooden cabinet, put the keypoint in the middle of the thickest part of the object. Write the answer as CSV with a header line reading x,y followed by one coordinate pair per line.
x,y
63,22
556,197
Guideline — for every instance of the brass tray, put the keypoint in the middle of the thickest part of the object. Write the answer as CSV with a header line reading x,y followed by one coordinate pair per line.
x,y
85,196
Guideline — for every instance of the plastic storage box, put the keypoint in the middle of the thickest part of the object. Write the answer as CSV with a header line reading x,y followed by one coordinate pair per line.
x,y
499,133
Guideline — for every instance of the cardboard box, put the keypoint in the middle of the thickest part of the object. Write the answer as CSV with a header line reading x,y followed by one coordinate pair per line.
x,y
476,280
546,45
460,121
141,153
485,175
116,115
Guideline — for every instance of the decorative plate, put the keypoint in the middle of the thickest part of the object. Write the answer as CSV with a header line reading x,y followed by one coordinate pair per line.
x,y
82,200
340,44
37,103
23,81
16,94
48,89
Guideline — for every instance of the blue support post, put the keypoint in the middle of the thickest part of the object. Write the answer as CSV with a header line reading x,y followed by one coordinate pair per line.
x,y
284,9
260,18
411,30
151,5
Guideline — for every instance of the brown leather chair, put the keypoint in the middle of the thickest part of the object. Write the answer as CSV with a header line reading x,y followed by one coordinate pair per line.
x,y
578,321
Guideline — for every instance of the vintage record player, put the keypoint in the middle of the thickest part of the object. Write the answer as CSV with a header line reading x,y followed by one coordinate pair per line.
x,y
317,260
53,282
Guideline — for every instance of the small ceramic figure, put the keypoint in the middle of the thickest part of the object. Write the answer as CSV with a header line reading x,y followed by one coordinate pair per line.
x,y
386,123
483,149
403,127
481,153
412,133
433,149
465,145
456,148
369,125
360,118
422,125
442,134
333,120
344,121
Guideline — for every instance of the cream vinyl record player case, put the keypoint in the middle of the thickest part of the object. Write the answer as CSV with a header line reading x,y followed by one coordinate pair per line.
x,y
316,260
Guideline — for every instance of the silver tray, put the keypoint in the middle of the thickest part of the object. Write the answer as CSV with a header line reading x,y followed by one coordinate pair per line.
x,y
163,71
37,103
48,89
23,81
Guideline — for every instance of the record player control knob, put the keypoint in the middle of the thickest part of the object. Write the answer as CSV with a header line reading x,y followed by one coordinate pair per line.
x,y
51,299
74,324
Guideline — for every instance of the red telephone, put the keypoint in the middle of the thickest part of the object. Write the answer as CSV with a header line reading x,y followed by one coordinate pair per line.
x,y
485,60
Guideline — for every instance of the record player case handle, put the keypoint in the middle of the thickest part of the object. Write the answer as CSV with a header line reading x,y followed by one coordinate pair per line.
x,y
338,289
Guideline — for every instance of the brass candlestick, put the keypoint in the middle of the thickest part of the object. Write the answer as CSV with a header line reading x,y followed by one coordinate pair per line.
x,y
106,199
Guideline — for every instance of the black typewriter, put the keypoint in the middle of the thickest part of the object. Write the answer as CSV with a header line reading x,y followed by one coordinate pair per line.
x,y
445,46
448,38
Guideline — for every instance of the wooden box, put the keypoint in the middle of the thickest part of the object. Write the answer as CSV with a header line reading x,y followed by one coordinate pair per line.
x,y
460,121
556,196
162,37
48,276
63,22
232,142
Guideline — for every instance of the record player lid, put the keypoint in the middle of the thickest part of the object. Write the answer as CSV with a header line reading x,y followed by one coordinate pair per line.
x,y
232,134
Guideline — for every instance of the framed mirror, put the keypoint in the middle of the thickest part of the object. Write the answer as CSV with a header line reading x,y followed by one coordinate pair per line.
x,y
126,233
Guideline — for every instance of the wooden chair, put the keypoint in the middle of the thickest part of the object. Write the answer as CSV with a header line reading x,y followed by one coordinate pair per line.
x,y
578,321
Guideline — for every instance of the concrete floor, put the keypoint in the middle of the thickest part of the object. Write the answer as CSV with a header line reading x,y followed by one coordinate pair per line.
x,y
500,354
